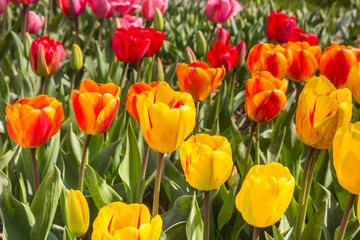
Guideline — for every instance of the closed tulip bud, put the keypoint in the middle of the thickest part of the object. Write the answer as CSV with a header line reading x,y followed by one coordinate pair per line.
x,y
159,20
345,157
27,45
158,71
201,45
117,23
233,179
118,221
265,96
222,35
265,194
166,117
241,49
206,161
78,216
321,111
189,55
353,81
76,61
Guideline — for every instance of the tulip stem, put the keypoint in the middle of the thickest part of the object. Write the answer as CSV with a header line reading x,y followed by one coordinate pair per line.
x,y
302,203
256,233
73,78
232,89
212,35
298,90
345,219
218,99
196,118
157,184
257,144
42,89
24,26
76,30
82,165
50,15
206,215
139,70
140,190
248,150
125,67
4,24
90,37
151,70
35,169
101,21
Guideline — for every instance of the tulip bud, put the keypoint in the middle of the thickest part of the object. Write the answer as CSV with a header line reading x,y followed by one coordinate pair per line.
x,y
158,71
201,45
76,61
189,55
158,21
241,49
78,216
27,45
117,23
222,35
233,179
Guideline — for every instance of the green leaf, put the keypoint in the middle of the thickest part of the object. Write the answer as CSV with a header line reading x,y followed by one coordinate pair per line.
x,y
195,225
51,154
277,233
273,151
74,144
351,230
102,69
313,228
20,50
5,44
227,209
67,234
176,231
9,156
45,203
102,161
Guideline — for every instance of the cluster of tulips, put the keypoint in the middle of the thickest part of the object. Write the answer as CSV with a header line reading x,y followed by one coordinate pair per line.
x,y
167,117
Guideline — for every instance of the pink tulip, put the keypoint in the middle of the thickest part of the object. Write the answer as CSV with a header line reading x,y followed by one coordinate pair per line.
x,y
78,7
222,35
3,5
101,8
218,11
126,6
35,22
128,21
241,49
149,7
25,2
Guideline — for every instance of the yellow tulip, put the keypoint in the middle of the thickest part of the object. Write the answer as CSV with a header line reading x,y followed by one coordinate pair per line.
x,y
353,81
78,216
321,111
206,161
346,157
119,221
166,117
265,194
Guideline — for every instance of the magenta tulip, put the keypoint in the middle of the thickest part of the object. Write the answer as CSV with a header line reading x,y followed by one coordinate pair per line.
x,y
128,21
101,8
126,6
35,22
78,7
3,5
218,11
149,7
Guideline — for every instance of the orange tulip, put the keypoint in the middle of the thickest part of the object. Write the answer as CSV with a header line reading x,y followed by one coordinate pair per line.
x,y
134,91
265,96
306,60
32,121
198,79
255,54
95,106
336,63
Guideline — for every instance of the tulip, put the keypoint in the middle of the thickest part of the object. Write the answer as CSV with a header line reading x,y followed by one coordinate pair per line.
x,y
73,9
223,55
279,26
127,21
3,5
336,62
265,96
78,216
222,35
166,117
298,35
218,11
189,55
158,71
201,44
76,61
101,8
265,194
118,221
353,81
95,106
255,53
321,111
158,20
241,49
156,39
25,2
45,56
206,161
133,93
126,6
35,22
148,8
306,60
32,121
198,79
27,46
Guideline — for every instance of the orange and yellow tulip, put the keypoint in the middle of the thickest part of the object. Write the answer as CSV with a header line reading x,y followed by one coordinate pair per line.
x,y
306,60
321,111
265,96
255,54
206,161
134,91
336,62
118,221
95,106
32,121
353,81
198,79
166,117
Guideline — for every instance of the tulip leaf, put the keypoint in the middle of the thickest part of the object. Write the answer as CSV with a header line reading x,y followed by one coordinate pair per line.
x,y
50,157
5,44
195,225
268,237
67,234
274,149
313,228
16,217
102,68
102,161
176,231
20,48
227,209
74,144
9,156
352,229
277,234
45,203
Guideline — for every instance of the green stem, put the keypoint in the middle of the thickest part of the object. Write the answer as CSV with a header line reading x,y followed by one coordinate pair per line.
x,y
210,100
155,209
297,89
248,150
83,161
206,215
312,172
25,25
101,21
140,190
151,69
35,169
232,89
218,100
125,67
302,203
50,15
89,38
42,89
73,78
196,118
139,71
76,30
256,233
4,24
257,144
212,35
345,219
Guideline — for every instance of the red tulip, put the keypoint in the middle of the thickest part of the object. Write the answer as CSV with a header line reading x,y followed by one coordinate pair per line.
x,y
218,11
279,26
25,2
298,35
128,21
76,8
241,49
149,7
156,39
222,35
223,55
101,8
3,5
35,22
45,56
126,6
